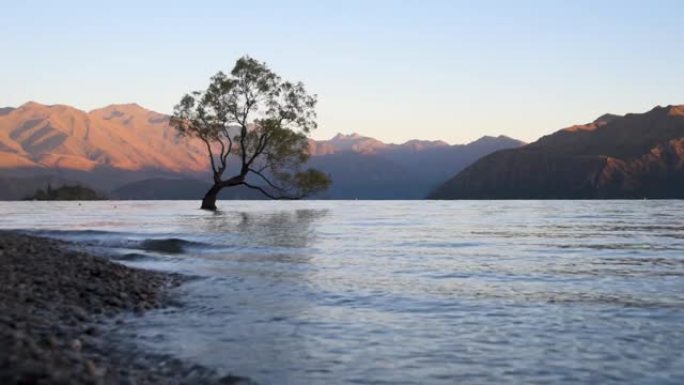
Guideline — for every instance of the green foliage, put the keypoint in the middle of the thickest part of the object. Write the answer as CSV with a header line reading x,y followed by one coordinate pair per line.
x,y
311,181
66,193
256,123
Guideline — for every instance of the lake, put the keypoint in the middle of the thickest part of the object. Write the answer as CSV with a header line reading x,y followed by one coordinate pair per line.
x,y
401,292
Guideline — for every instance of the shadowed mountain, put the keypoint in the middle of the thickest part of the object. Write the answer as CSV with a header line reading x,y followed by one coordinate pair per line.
x,y
129,152
359,170
15,188
366,168
633,156
66,193
178,189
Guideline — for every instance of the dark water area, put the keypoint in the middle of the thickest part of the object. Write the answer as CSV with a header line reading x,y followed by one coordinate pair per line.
x,y
402,292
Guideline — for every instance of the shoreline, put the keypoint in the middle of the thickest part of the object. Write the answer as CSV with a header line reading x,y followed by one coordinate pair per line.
x,y
57,306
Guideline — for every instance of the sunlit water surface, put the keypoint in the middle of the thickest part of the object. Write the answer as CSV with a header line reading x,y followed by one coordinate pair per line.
x,y
360,292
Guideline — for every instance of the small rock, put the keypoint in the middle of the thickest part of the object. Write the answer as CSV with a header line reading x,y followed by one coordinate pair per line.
x,y
127,381
93,331
52,342
79,313
92,369
76,345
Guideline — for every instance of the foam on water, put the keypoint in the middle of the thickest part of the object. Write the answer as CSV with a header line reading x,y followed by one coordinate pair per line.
x,y
403,292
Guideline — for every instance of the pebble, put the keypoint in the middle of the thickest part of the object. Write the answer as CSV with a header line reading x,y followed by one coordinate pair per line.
x,y
76,345
92,369
93,331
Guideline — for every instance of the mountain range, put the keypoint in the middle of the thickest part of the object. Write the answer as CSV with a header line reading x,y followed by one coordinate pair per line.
x,y
129,152
631,156
124,137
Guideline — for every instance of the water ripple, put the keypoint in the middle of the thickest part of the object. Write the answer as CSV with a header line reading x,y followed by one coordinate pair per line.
x,y
503,292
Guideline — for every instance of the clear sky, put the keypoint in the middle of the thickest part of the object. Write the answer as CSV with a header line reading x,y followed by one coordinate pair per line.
x,y
394,70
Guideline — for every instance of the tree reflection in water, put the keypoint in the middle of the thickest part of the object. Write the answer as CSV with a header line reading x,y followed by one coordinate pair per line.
x,y
288,229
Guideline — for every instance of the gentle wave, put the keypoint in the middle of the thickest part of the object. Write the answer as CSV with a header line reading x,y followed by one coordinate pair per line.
x,y
160,243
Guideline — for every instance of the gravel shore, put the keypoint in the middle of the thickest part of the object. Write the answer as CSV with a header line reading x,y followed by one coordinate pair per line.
x,y
56,308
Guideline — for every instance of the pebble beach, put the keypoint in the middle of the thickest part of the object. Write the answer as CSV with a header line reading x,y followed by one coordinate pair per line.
x,y
58,306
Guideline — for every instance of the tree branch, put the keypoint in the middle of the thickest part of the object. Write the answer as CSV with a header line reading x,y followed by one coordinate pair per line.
x,y
223,149
230,145
266,180
268,195
233,181
211,154
260,148
243,136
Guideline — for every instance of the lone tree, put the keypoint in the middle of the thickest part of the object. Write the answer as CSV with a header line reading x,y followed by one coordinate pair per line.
x,y
254,125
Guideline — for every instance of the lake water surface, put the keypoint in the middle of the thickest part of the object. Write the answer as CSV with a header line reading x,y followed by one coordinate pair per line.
x,y
402,292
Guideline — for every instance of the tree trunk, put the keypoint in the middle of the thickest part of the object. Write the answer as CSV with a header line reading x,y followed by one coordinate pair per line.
x,y
209,200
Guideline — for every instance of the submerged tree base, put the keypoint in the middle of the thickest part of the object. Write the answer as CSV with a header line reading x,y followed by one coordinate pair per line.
x,y
208,206
209,200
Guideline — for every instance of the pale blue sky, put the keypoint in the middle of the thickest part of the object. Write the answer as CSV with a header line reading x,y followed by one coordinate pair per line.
x,y
395,70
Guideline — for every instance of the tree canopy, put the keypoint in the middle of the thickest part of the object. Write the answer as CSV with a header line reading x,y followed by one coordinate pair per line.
x,y
254,124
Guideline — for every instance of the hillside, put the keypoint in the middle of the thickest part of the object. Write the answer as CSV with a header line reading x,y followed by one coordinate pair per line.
x,y
631,156
66,193
13,188
365,168
386,171
125,137
130,152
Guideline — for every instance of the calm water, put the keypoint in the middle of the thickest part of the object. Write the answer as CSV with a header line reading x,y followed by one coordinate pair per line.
x,y
358,292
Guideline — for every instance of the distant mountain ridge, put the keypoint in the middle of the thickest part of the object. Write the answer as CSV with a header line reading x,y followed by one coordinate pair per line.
x,y
382,171
132,150
364,168
125,137
366,145
631,156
